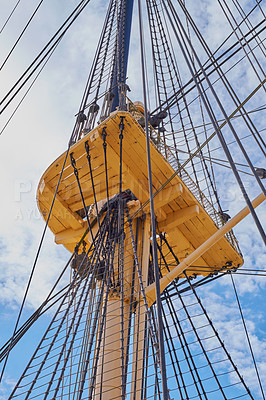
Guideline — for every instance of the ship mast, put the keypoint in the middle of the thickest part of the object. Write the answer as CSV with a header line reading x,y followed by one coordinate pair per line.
x,y
135,201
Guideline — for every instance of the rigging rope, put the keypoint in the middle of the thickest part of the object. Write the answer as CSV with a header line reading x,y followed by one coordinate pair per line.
x,y
27,91
153,223
247,336
21,34
235,29
207,66
34,265
180,167
178,26
10,15
236,100
53,43
113,224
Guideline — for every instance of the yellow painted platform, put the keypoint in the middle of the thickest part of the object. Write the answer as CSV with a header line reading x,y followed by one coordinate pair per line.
x,y
178,209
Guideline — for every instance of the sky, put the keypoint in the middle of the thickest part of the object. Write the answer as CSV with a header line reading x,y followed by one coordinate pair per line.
x,y
39,132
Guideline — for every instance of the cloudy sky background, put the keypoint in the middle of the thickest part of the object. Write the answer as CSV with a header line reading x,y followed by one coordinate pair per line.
x,y
39,132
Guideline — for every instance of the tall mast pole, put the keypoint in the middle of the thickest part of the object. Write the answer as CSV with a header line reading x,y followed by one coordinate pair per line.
x,y
122,52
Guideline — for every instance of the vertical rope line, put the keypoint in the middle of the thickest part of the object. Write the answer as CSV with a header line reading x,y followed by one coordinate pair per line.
x,y
111,243
236,29
154,240
217,335
105,42
155,349
85,341
98,344
174,360
174,73
87,148
74,285
106,281
202,347
132,305
142,290
107,273
121,128
93,378
73,163
185,348
90,78
104,134
247,336
79,307
122,267
145,363
46,333
137,323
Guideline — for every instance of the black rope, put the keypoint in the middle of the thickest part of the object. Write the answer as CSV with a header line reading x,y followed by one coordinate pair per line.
x,y
104,135
235,29
202,347
87,148
29,88
10,15
247,336
178,26
154,240
34,264
53,43
236,100
121,128
73,163
21,34
75,284
218,337
121,263
107,279
186,350
207,66
99,65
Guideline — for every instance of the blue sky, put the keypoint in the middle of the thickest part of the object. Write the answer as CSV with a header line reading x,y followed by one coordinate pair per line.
x,y
39,132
